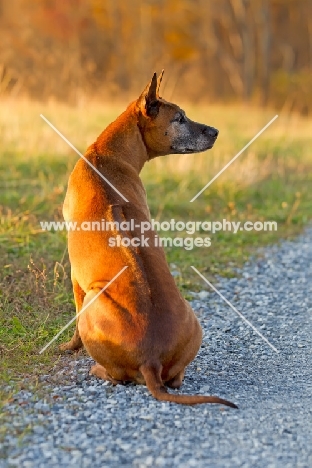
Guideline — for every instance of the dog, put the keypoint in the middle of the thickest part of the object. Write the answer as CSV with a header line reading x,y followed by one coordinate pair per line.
x,y
140,328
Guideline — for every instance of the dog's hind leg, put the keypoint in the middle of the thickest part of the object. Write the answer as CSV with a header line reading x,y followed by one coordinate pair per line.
x,y
75,343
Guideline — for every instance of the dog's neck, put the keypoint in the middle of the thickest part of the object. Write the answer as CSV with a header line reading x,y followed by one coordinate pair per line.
x,y
119,138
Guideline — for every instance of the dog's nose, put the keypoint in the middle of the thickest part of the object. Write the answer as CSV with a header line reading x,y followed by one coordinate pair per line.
x,y
213,132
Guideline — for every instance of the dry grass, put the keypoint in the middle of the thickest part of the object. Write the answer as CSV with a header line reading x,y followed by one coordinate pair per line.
x,y
23,132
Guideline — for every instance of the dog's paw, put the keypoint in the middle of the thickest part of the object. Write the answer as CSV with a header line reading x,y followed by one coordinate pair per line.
x,y
71,346
99,371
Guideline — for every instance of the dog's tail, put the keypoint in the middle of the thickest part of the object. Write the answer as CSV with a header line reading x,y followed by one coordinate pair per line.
x,y
152,376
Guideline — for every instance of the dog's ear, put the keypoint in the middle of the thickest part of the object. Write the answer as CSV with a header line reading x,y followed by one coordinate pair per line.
x,y
159,80
148,101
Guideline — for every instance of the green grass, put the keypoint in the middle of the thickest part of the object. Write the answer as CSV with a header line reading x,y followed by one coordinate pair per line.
x,y
271,181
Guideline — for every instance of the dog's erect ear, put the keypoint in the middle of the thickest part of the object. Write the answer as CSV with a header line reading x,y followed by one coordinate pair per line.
x,y
159,80
148,101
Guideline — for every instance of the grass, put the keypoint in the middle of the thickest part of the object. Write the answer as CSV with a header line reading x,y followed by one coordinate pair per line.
x,y
270,181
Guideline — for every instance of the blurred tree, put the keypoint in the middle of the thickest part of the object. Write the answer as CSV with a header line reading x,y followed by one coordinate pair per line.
x,y
222,49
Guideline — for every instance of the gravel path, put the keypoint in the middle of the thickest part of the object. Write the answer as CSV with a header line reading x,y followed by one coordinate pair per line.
x,y
84,422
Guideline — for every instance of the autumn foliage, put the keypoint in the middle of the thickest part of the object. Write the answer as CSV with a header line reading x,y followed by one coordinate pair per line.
x,y
223,50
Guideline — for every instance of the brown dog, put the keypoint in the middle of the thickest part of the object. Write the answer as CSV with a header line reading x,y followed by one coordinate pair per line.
x,y
140,329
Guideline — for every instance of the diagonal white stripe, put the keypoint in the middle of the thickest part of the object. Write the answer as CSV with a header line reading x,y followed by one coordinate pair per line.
x,y
82,310
82,156
235,310
235,157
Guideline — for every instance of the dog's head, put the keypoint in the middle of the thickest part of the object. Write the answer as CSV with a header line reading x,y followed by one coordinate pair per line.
x,y
166,129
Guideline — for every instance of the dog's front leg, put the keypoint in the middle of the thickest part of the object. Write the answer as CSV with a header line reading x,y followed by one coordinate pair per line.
x,y
75,343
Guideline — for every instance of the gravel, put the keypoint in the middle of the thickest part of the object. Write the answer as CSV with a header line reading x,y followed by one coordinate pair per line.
x,y
77,420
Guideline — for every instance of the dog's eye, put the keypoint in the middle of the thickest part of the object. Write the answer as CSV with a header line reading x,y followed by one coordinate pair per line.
x,y
181,119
